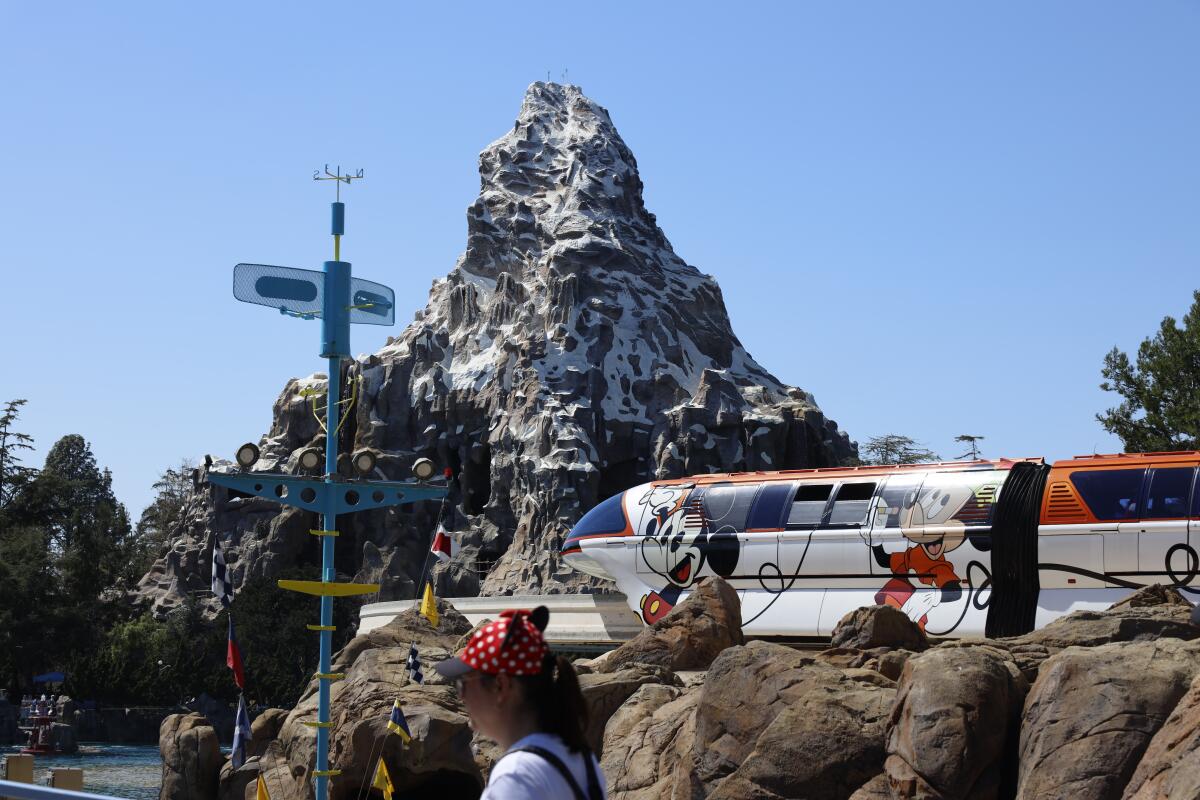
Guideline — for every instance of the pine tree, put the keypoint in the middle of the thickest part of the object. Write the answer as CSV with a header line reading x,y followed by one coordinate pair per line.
x,y
892,448
12,475
1161,409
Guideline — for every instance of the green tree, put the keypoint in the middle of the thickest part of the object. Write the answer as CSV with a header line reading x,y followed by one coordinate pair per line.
x,y
12,475
1161,390
163,516
893,448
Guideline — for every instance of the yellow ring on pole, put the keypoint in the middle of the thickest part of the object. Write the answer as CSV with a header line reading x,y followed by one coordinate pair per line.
x,y
331,676
321,627
323,533
317,724
326,773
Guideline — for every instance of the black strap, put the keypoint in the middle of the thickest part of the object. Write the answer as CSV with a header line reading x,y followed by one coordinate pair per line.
x,y
594,792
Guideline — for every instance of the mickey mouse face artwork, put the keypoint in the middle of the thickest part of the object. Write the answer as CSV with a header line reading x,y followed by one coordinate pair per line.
x,y
676,540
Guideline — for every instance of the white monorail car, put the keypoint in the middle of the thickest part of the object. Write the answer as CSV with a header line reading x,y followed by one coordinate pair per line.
x,y
962,548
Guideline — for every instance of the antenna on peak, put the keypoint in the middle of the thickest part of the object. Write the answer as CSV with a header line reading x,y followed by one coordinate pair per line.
x,y
337,176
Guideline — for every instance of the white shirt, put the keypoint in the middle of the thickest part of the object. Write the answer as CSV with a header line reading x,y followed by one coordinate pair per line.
x,y
522,776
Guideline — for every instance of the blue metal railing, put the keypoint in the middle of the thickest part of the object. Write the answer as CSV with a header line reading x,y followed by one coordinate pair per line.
x,y
31,791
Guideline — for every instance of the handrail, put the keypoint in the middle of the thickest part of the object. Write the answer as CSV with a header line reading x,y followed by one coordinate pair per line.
x,y
32,791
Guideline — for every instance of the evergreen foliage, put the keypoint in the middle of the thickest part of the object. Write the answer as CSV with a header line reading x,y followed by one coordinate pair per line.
x,y
1161,389
893,448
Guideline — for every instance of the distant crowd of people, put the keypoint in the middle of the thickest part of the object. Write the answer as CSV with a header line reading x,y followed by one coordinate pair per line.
x,y
38,707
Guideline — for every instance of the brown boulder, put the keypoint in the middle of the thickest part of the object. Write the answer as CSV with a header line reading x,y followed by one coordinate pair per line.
x,y
1170,768
878,626
604,693
826,744
1092,712
954,722
439,757
408,627
687,638
1154,595
646,740
877,788
1117,624
191,757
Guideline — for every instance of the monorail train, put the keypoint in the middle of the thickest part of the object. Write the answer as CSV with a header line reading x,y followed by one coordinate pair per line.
x,y
963,548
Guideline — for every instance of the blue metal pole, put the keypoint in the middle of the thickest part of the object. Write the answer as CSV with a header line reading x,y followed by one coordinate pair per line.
x,y
335,344
327,574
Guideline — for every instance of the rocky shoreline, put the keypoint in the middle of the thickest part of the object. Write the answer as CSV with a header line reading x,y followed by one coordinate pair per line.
x,y
1097,704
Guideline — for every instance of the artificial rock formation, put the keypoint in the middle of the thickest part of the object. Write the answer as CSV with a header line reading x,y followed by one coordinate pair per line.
x,y
568,355
191,757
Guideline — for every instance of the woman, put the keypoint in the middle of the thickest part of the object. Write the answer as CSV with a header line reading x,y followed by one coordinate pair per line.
x,y
527,700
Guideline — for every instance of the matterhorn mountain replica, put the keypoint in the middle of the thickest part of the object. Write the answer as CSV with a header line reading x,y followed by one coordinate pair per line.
x,y
568,355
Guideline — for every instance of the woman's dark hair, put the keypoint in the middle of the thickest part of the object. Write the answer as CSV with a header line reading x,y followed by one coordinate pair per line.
x,y
554,694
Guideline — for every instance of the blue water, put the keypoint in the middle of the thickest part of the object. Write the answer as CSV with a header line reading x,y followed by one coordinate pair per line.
x,y
120,770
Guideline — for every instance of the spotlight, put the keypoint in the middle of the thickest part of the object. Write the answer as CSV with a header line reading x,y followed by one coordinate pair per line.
x,y
423,469
310,458
247,454
364,461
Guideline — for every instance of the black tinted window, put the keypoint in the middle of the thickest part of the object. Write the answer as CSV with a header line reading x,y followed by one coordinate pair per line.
x,y
851,504
1110,494
1168,495
809,504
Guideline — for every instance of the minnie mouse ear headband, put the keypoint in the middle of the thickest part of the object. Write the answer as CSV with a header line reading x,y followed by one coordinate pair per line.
x,y
512,644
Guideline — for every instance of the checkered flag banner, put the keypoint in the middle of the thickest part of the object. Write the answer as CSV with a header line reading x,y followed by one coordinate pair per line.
x,y
222,586
414,665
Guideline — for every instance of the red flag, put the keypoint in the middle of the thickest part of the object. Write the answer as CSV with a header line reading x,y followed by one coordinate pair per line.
x,y
233,658
443,544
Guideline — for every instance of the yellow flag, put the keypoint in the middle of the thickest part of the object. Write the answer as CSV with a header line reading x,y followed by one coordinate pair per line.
x,y
261,793
429,606
383,781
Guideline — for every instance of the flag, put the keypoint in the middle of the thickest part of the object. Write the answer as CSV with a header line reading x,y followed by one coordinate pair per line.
x,y
414,665
222,586
261,792
444,546
241,734
233,658
429,605
398,725
383,781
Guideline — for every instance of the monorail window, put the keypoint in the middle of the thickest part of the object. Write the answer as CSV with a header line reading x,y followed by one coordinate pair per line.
x,y
606,517
1196,496
897,499
1111,494
1168,495
767,513
726,505
809,505
852,503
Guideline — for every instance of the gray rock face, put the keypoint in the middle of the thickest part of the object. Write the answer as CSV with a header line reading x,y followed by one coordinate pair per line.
x,y
569,354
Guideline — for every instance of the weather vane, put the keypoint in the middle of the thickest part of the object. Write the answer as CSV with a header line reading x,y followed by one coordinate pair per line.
x,y
337,176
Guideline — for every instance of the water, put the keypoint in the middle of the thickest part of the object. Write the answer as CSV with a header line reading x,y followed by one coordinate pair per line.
x,y
120,770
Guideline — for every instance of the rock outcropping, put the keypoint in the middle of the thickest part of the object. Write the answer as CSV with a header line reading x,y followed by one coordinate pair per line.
x,y
972,718
569,354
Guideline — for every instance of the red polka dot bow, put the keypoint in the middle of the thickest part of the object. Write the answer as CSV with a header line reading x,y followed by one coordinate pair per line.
x,y
512,644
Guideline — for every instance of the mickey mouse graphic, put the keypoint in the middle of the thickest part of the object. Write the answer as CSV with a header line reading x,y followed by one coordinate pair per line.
x,y
927,523
677,544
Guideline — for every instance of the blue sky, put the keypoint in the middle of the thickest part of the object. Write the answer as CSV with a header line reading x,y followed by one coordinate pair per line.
x,y
936,217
